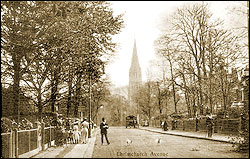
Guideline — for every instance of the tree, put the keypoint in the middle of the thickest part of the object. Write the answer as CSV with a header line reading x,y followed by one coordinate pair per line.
x,y
168,49
205,52
145,100
63,42
118,104
17,42
100,94
7,103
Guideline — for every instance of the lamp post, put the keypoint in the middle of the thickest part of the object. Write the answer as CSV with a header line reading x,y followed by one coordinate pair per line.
x,y
159,96
90,127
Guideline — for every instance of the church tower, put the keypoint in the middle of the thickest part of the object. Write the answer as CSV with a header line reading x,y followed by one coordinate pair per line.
x,y
134,77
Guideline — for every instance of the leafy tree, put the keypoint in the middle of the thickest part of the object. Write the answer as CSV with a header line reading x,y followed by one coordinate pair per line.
x,y
7,103
66,43
100,95
145,100
17,42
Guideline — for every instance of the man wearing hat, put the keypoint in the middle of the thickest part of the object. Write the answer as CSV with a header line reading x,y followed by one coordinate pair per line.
x,y
104,126
210,125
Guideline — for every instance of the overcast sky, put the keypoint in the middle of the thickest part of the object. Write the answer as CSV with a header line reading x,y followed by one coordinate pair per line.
x,y
142,19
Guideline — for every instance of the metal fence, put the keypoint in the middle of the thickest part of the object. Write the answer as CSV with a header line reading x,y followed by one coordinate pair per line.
x,y
20,142
23,141
6,144
33,140
47,135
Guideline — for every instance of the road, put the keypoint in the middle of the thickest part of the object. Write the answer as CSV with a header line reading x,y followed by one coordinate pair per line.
x,y
145,145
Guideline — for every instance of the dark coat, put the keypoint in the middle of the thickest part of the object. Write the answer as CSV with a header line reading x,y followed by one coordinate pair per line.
x,y
104,128
165,126
209,123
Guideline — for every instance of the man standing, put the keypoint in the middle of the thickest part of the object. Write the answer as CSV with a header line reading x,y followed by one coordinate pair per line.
x,y
85,125
165,126
104,126
210,124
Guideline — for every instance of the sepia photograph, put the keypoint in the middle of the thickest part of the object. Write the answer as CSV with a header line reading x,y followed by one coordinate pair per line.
x,y
125,79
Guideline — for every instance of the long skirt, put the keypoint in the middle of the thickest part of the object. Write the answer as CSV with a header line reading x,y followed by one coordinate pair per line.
x,y
84,135
76,136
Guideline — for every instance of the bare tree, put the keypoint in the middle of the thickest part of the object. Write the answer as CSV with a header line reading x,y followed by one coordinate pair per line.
x,y
205,52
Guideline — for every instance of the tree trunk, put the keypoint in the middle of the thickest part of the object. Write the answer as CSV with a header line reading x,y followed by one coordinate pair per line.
x,y
16,86
223,90
188,105
54,87
69,93
210,75
174,93
159,100
39,103
194,107
77,94
187,97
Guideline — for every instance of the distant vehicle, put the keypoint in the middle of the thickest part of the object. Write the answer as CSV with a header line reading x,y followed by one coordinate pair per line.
x,y
131,121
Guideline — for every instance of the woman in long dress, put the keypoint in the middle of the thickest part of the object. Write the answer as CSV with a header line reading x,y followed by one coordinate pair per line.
x,y
76,133
85,125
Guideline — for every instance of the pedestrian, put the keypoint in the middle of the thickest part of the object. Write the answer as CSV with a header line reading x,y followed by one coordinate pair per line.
x,y
210,124
165,126
84,130
104,126
76,135
172,122
162,123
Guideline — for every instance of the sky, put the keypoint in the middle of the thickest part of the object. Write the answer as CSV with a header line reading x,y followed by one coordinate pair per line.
x,y
142,19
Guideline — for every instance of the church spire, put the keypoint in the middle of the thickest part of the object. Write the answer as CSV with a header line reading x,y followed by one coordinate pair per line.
x,y
135,62
134,80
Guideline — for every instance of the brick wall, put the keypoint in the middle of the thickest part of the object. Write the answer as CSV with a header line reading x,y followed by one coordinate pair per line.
x,y
189,125
225,126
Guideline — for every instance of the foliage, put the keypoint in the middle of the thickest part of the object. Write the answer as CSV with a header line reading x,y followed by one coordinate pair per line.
x,y
220,114
145,100
117,105
241,141
55,45
7,103
234,112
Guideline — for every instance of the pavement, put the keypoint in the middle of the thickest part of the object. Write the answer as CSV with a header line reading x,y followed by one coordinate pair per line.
x,y
191,134
86,150
70,150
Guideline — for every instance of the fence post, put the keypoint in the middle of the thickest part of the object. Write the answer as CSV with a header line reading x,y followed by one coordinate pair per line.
x,y
13,143
50,136
29,141
43,135
39,138
16,142
10,145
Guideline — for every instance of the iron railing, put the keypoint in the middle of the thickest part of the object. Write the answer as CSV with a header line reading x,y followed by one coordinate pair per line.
x,y
19,143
